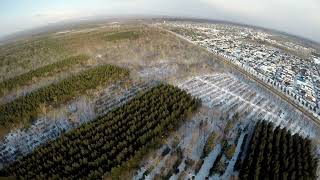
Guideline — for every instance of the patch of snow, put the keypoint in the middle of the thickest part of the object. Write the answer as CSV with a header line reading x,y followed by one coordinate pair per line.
x,y
232,162
208,161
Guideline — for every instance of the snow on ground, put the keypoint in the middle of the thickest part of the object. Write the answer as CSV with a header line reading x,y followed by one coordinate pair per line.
x,y
222,95
22,141
232,162
192,138
157,170
161,70
208,161
181,168
223,91
139,174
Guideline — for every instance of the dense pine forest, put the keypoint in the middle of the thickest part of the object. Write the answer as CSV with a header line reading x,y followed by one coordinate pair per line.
x,y
109,141
25,108
276,154
24,79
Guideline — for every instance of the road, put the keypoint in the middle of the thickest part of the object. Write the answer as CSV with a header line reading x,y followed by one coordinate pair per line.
x,y
253,78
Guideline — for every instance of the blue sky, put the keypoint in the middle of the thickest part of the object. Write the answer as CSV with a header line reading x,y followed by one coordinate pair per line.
x,y
293,16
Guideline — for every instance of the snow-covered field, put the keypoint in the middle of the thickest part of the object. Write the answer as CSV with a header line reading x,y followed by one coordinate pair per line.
x,y
226,93
223,95
161,70
22,141
208,161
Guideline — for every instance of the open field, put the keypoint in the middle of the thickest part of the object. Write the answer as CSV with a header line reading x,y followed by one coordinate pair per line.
x,y
108,43
131,35
272,67
148,47
110,140
34,75
25,108
50,125
208,143
230,108
134,46
229,95
20,57
154,55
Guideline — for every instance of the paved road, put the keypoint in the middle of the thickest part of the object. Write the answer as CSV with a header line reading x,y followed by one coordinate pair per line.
x,y
275,92
252,77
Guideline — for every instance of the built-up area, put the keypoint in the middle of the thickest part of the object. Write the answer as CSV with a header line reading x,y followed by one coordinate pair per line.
x,y
290,67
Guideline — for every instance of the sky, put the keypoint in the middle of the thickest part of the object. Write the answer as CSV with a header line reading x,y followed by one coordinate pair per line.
x,y
293,16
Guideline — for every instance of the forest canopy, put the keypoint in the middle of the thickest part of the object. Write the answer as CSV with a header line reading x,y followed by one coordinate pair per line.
x,y
24,79
26,107
277,154
93,149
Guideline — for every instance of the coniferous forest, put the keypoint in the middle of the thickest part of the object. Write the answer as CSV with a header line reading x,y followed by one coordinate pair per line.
x,y
109,141
26,107
276,154
26,78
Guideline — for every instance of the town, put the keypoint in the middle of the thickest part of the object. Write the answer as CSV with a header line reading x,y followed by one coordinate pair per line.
x,y
261,54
